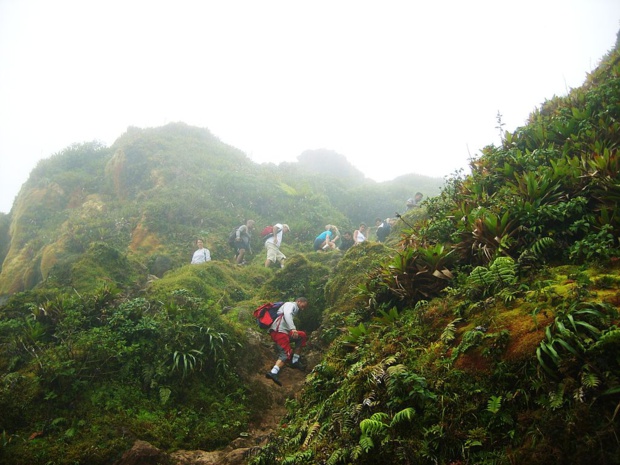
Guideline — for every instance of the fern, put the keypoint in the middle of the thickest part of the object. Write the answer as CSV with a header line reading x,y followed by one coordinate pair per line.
x,y
590,380
402,416
448,334
396,370
299,457
372,427
607,339
503,270
366,443
500,274
494,404
357,451
338,456
539,247
312,431
480,277
164,395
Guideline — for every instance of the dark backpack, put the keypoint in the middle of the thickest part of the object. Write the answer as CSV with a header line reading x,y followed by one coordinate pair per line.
x,y
383,231
232,238
267,232
267,313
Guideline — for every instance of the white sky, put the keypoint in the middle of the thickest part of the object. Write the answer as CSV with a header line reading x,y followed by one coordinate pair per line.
x,y
395,86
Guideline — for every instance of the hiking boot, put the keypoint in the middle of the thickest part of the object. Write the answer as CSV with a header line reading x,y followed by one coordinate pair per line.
x,y
298,366
273,377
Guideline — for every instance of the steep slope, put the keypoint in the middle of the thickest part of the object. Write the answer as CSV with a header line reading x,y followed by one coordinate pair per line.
x,y
492,336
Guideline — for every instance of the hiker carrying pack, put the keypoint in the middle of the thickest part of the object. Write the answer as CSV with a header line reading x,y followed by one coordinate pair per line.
x,y
285,335
267,313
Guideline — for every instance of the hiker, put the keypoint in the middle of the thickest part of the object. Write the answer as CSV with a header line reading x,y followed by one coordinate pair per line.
x,y
283,332
347,241
359,234
242,241
273,243
201,255
327,239
415,201
384,228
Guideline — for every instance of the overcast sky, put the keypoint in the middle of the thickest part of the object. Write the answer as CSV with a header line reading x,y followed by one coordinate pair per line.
x,y
395,86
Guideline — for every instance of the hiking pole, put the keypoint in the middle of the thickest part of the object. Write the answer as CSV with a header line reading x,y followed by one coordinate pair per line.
x,y
398,215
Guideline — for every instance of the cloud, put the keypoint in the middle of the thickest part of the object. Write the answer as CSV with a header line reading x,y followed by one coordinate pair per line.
x,y
395,87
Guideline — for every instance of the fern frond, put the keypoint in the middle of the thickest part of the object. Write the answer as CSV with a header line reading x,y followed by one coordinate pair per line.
x,y
338,456
372,427
541,245
316,426
366,443
379,416
608,338
396,370
391,360
406,414
590,380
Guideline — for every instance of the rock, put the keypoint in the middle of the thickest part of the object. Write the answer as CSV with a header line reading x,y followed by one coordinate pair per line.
x,y
197,457
143,453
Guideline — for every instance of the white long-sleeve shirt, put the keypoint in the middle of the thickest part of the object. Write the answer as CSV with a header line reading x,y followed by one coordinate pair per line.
x,y
284,323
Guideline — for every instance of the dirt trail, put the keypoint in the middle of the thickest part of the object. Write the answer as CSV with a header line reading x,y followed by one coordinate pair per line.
x,y
270,418
292,381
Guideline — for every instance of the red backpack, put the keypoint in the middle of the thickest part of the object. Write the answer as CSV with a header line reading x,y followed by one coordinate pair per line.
x,y
267,313
267,232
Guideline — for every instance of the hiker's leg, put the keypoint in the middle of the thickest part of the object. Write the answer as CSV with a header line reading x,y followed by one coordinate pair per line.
x,y
300,341
272,254
283,346
240,255
281,258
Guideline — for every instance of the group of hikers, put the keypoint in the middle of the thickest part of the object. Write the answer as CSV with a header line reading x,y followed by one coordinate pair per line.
x,y
240,242
283,331
329,239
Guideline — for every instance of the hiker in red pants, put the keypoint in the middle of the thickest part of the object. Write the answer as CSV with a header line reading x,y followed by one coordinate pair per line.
x,y
283,332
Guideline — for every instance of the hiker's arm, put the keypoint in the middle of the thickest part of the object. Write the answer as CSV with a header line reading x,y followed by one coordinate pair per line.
x,y
276,230
288,318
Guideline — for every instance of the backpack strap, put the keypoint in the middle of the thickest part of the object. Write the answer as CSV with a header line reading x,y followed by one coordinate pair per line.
x,y
279,319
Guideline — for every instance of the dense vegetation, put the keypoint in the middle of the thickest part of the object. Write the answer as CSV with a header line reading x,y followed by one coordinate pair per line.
x,y
491,336
485,331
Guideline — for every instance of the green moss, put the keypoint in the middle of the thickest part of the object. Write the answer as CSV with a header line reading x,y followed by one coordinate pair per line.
x,y
220,283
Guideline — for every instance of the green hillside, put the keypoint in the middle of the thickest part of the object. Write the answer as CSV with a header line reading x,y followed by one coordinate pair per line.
x,y
484,331
154,191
